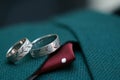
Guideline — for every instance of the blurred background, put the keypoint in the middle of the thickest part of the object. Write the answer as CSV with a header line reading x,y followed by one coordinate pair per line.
x,y
18,11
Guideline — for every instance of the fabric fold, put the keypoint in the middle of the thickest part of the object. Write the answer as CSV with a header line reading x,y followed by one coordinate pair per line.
x,y
100,41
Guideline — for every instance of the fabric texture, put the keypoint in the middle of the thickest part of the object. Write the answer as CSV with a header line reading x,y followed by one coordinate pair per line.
x,y
98,37
27,65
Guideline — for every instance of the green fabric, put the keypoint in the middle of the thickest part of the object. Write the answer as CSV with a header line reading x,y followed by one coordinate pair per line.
x,y
97,34
28,65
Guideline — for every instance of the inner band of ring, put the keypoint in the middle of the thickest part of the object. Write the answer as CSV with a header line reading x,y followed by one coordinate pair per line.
x,y
45,45
19,50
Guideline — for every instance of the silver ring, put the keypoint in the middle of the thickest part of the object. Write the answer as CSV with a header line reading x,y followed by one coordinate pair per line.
x,y
45,45
19,50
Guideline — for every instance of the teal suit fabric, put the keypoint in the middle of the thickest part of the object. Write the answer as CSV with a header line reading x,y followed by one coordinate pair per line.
x,y
26,67
97,34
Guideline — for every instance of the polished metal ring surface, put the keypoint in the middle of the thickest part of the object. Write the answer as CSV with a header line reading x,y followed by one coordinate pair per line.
x,y
19,50
45,45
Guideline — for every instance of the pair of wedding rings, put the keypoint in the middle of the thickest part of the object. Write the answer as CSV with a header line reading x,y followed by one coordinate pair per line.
x,y
39,47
